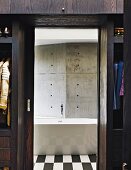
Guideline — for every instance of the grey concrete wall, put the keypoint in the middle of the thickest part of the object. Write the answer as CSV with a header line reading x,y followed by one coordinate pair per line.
x,y
66,74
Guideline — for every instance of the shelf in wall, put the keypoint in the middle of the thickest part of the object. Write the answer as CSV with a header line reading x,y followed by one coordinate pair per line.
x,y
5,132
118,39
4,40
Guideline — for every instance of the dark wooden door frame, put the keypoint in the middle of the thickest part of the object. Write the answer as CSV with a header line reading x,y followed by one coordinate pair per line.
x,y
127,86
29,118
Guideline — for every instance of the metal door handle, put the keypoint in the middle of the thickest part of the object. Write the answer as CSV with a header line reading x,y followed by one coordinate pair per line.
x,y
28,105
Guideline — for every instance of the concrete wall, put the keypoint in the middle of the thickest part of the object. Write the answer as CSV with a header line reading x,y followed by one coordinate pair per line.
x,y
66,74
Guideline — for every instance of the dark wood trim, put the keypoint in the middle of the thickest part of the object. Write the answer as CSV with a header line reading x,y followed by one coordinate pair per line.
x,y
29,91
14,95
110,88
29,94
17,97
39,20
103,113
127,85
69,20
21,97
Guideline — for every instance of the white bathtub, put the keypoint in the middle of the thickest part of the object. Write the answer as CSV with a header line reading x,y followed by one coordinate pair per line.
x,y
71,121
65,136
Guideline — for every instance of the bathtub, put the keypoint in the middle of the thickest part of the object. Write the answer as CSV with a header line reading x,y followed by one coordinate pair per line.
x,y
65,136
39,120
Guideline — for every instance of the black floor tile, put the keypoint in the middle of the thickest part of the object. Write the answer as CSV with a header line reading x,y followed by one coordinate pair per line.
x,y
76,158
92,158
87,166
58,158
67,166
48,166
41,158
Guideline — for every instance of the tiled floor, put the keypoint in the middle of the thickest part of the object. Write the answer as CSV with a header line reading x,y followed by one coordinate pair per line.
x,y
65,162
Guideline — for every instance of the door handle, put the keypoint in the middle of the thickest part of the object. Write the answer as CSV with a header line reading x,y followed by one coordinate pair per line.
x,y
124,166
28,105
62,109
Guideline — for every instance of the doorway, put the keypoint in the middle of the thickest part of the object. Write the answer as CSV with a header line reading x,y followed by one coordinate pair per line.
x,y
66,98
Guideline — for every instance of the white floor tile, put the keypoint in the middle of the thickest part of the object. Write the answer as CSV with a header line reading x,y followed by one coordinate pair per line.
x,y
77,166
58,166
93,166
85,158
67,158
35,158
39,166
49,158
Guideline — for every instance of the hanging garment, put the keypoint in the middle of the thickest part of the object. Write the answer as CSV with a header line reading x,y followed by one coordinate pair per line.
x,y
4,85
115,84
118,69
122,85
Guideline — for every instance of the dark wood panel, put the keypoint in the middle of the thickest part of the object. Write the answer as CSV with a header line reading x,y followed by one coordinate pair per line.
x,y
109,6
22,6
29,94
14,96
4,154
4,142
21,99
5,6
117,147
50,6
18,93
70,6
38,7
120,6
82,7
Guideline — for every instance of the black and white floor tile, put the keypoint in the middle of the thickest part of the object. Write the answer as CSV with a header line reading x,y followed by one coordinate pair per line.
x,y
65,162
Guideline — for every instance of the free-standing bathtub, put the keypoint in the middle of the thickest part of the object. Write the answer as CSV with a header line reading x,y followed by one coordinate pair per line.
x,y
65,136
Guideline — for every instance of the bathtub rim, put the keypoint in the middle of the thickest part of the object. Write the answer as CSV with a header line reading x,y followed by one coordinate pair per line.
x,y
64,121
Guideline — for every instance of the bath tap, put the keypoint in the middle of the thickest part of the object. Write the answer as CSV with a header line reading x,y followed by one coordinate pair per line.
x,y
62,109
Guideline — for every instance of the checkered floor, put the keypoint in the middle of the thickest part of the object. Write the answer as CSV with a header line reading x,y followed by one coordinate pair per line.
x,y
65,162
